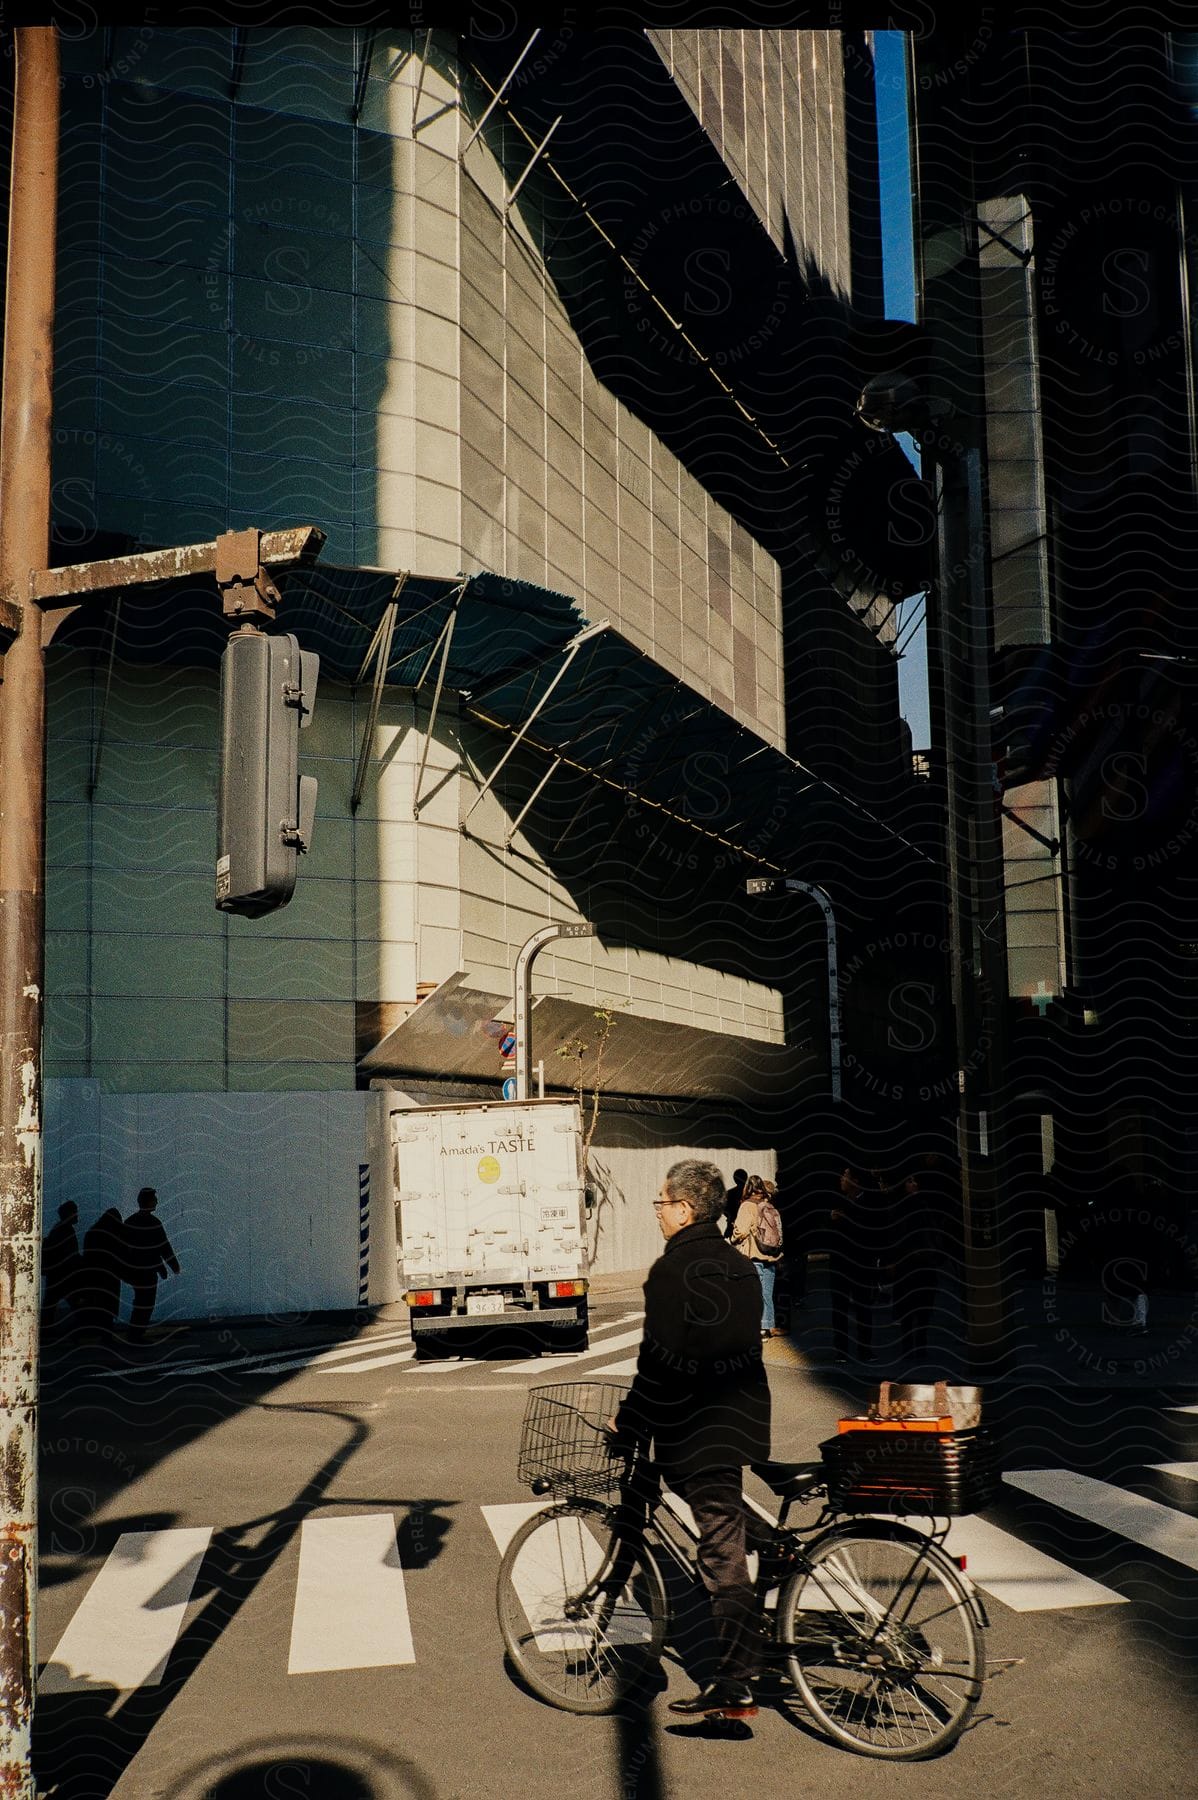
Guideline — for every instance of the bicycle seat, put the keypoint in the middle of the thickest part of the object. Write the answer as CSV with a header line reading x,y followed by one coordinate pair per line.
x,y
789,1480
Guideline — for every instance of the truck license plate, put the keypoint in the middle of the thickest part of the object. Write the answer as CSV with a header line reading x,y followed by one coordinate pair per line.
x,y
484,1303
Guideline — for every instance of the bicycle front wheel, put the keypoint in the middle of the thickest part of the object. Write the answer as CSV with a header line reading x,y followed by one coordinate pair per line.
x,y
582,1612
882,1642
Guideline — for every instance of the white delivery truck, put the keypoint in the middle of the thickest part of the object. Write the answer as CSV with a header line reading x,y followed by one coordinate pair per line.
x,y
490,1220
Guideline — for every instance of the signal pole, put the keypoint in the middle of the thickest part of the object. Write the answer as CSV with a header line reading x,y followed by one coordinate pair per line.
x,y
24,546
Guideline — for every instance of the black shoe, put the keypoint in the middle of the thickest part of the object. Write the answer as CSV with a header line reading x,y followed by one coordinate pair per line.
x,y
719,1699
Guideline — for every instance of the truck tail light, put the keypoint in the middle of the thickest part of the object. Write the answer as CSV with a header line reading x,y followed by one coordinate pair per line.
x,y
565,1290
422,1297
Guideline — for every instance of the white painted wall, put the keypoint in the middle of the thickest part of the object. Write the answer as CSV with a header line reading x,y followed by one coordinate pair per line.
x,y
258,1192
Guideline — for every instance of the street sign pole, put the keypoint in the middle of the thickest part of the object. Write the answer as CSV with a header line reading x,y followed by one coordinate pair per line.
x,y
522,997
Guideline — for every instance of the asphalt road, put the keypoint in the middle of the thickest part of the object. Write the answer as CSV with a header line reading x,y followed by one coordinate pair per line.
x,y
197,1614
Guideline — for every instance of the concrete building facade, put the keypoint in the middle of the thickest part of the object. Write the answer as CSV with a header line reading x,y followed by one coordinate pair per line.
x,y
305,276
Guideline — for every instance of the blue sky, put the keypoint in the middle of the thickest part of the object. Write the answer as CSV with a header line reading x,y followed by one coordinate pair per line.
x,y
898,267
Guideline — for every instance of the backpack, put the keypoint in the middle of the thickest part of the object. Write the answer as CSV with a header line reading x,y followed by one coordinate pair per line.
x,y
769,1228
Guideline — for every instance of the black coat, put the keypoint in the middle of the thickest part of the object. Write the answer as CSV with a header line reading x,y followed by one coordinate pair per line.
x,y
700,1389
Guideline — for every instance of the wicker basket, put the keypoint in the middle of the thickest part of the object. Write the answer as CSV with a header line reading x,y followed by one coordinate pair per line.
x,y
945,1474
564,1446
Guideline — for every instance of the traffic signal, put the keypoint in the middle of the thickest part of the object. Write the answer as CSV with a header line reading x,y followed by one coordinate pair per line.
x,y
266,808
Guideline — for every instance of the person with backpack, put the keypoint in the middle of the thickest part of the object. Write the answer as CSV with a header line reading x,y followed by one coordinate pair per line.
x,y
757,1234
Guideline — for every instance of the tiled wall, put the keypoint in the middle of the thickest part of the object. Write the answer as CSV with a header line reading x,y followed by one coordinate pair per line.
x,y
772,102
148,986
268,316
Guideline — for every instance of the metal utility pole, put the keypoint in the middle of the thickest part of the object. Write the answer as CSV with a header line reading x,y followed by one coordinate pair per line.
x,y
522,998
764,884
24,546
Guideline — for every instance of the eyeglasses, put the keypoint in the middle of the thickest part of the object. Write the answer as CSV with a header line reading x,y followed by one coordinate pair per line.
x,y
658,1204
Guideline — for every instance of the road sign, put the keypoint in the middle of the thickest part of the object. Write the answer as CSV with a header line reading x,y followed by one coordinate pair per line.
x,y
509,1088
507,1043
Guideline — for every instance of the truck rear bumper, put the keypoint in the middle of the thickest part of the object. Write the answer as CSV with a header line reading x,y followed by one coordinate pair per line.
x,y
554,1317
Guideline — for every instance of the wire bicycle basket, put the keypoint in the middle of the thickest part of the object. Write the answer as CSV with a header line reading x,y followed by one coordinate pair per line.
x,y
564,1446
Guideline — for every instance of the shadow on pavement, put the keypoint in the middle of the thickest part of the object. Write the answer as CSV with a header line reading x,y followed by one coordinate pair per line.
x,y
84,1740
324,1768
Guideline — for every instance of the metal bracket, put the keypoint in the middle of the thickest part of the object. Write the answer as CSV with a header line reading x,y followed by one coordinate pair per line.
x,y
996,237
444,642
498,94
529,166
98,746
10,627
1052,845
379,653
570,652
520,817
365,52
246,588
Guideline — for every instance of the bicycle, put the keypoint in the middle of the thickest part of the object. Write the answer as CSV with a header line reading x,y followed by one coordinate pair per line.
x,y
876,1626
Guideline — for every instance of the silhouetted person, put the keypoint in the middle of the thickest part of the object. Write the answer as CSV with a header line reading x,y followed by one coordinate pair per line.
x,y
733,1198
859,1238
148,1256
60,1262
102,1271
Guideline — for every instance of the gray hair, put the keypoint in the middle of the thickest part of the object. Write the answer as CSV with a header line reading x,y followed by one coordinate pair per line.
x,y
701,1185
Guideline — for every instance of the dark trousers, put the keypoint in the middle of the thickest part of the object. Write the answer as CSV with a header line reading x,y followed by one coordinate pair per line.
x,y
145,1292
715,1498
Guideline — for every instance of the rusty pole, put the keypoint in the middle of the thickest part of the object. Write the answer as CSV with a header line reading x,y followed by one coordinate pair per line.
x,y
24,547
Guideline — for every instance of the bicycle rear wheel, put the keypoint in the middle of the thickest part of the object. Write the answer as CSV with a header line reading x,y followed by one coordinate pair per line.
x,y
583,1614
882,1642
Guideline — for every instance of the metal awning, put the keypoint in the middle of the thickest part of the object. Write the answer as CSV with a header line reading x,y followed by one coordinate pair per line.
x,y
528,663
453,1033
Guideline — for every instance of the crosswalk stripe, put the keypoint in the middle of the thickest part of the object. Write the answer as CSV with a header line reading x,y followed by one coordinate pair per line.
x,y
1184,1409
125,1628
538,1366
1147,1522
504,1522
1187,1470
554,1562
1022,1577
351,1608
372,1362
265,1359
594,1347
628,1367
329,1364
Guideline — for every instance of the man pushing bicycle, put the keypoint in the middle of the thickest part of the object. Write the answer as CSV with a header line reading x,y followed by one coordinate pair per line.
x,y
701,1394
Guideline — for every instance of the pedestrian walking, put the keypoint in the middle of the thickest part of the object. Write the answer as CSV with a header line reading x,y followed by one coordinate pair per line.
x,y
60,1263
757,1234
733,1198
700,1393
148,1256
102,1271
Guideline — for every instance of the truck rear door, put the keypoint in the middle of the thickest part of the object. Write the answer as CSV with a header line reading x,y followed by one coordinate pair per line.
x,y
552,1181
